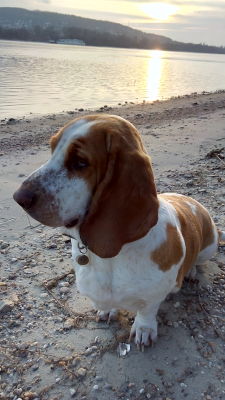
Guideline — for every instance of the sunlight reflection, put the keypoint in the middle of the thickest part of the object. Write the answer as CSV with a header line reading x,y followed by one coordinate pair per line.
x,y
154,75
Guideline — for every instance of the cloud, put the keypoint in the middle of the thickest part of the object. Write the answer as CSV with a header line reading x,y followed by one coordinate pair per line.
x,y
24,3
219,4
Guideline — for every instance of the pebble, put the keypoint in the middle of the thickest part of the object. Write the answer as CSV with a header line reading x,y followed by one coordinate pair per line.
x,y
3,245
29,395
98,378
44,295
18,391
107,386
69,323
72,392
95,387
6,306
81,372
141,391
90,350
64,290
64,284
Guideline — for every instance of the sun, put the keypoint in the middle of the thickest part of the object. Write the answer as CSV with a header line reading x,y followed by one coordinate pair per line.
x,y
159,11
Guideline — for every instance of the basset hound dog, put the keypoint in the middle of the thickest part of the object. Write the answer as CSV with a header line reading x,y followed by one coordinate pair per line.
x,y
99,187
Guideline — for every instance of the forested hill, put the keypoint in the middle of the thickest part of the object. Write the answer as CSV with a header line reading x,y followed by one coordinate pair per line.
x,y
21,24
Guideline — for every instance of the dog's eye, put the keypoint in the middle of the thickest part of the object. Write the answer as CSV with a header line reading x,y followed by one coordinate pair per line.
x,y
78,163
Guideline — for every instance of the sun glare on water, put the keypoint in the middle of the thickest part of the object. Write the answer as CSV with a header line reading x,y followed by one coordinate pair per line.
x,y
159,11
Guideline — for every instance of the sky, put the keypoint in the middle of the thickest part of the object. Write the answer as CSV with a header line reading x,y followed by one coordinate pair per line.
x,y
197,21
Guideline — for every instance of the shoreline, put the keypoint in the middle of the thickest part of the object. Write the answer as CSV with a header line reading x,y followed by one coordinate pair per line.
x,y
119,105
39,128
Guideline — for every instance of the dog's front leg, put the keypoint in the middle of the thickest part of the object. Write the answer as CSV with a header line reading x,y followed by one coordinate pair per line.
x,y
105,315
144,329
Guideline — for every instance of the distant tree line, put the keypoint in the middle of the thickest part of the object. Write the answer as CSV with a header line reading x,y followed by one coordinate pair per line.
x,y
98,38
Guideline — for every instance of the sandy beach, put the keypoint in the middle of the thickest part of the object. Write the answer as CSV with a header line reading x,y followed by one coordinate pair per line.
x,y
51,347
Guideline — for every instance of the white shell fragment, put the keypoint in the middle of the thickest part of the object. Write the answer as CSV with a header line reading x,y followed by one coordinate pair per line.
x,y
123,349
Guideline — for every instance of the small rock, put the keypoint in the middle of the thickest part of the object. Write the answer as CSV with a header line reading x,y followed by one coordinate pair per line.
x,y
141,391
29,395
64,284
14,298
64,290
107,386
72,392
98,378
3,245
43,295
52,246
95,387
6,306
81,372
11,121
90,350
69,323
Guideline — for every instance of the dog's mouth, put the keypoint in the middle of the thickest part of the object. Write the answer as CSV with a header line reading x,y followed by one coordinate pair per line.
x,y
72,223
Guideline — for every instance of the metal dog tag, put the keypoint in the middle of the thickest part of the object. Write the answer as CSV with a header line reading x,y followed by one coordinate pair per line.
x,y
82,260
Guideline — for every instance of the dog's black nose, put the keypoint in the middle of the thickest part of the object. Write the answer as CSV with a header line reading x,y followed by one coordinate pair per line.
x,y
25,198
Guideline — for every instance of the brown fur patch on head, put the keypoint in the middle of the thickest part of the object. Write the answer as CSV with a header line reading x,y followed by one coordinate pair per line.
x,y
54,141
196,228
170,251
124,205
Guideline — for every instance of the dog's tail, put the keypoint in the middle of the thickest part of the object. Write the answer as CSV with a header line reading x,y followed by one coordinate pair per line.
x,y
221,235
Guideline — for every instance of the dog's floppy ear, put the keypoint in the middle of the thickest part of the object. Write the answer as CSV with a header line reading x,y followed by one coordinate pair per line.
x,y
124,206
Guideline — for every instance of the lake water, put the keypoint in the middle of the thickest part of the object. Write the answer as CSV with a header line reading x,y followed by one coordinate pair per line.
x,y
44,78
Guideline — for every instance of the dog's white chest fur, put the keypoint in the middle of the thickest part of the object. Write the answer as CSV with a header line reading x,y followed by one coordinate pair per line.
x,y
131,280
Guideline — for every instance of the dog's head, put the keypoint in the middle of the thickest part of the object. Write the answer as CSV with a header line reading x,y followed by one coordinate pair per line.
x,y
99,178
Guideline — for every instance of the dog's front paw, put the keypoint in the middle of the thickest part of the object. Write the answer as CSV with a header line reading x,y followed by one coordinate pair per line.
x,y
144,334
107,315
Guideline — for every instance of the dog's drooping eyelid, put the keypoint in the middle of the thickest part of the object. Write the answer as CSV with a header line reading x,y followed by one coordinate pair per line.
x,y
79,163
74,161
